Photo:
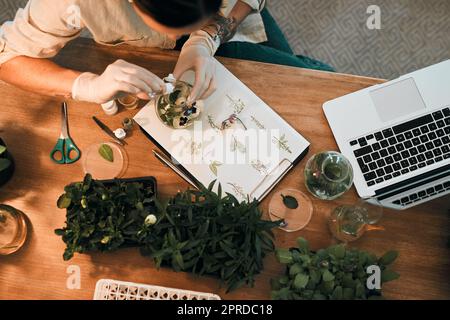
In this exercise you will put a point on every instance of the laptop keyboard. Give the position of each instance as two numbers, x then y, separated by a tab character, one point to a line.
405	148
423	195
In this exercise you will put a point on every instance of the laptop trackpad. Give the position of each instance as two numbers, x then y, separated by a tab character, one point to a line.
397	100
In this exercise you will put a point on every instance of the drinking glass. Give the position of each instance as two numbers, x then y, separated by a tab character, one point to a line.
348	223
328	175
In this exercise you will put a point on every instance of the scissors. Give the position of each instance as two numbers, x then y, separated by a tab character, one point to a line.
65	147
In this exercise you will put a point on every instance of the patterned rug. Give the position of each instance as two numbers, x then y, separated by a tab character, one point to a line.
413	34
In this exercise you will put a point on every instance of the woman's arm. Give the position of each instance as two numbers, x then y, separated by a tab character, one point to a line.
40	76
225	27
38	32
47	78
197	53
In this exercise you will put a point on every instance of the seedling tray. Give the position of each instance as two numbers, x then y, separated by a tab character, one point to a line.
147	181
119	290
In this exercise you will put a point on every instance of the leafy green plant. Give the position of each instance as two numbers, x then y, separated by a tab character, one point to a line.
196	231
205	234
104	218
333	273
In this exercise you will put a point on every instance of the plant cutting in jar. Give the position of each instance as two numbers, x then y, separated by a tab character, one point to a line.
173	110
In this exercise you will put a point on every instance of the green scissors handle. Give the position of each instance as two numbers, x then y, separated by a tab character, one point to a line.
65	151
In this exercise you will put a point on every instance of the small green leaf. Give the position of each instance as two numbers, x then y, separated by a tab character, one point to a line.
284	256
388	258
60	232
338	293
303	244
327	276
348	294
2	150
359	290
337	251
290	202
389	275
301	281
106	152
64	201
178	258
295	269
4	164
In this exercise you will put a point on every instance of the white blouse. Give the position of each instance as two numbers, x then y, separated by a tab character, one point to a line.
44	27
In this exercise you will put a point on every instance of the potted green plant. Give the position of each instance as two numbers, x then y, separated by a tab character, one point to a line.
6	164
335	273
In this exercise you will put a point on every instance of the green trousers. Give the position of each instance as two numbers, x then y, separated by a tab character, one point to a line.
276	50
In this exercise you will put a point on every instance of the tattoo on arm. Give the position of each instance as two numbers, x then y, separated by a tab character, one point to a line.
222	28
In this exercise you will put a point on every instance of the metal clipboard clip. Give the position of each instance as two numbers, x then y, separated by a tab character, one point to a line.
289	165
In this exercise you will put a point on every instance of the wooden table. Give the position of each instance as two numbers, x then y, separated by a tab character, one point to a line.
30	125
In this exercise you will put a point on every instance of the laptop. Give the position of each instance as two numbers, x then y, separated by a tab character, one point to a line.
397	137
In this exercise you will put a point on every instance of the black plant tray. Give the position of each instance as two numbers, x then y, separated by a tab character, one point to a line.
147	181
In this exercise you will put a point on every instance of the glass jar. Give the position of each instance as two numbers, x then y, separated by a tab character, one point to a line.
129	102
328	175
172	109
13	230
348	223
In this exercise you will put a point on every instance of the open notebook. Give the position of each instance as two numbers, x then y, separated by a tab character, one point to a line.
248	159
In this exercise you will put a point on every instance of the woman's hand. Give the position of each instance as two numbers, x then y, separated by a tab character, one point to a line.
119	78
197	58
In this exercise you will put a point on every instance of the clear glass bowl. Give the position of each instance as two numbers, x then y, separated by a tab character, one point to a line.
328	175
173	110
13	230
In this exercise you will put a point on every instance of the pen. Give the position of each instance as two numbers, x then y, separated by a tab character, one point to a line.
170	164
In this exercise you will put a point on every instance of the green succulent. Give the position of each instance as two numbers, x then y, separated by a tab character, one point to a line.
335	273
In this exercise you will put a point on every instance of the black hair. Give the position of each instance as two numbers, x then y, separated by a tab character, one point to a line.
179	13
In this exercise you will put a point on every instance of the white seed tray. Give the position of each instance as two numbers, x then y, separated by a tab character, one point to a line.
118	290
